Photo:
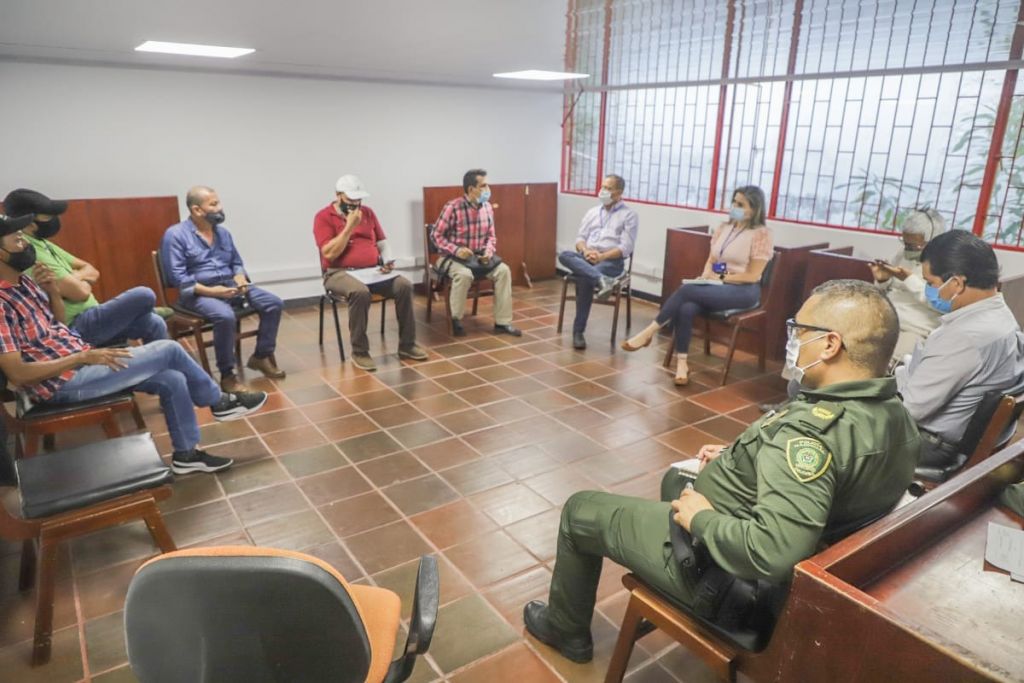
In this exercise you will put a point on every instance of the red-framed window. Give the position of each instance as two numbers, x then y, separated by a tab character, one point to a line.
848	114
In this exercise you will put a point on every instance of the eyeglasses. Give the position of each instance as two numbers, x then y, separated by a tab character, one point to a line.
792	325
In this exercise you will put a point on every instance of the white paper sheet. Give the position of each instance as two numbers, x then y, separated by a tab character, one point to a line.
1004	547
372	275
690	466
699	281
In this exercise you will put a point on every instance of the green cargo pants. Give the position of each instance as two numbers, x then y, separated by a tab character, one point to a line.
630	531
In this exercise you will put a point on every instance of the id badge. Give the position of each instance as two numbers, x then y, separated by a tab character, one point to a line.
719	267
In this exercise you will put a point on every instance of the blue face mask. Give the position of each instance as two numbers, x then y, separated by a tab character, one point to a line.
736	214
931	293
485	196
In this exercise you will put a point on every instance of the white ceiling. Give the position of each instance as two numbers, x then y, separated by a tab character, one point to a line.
427	41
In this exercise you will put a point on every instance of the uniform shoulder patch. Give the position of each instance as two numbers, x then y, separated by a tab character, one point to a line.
821	415
807	458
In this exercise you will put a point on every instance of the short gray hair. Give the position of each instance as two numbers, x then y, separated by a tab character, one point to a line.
927	222
195	195
620	182
864	317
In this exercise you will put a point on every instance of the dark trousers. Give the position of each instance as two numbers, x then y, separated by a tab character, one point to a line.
587	277
222	316
690	300
358	296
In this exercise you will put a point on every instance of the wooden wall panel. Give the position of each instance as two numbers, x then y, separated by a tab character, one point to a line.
524	223
686	251
541	230
834	264
117	236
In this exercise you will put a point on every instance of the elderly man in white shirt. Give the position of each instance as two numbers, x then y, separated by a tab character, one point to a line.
605	240
902	283
977	347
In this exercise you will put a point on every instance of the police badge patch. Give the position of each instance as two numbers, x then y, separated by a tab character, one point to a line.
807	458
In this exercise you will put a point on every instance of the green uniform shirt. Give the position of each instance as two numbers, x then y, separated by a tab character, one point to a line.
833	456
59	261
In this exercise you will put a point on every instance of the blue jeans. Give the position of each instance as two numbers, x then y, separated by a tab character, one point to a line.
129	315
691	300
222	316
162	368
587	277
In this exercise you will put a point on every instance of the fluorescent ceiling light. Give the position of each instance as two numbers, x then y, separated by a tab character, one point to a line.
540	75
193	49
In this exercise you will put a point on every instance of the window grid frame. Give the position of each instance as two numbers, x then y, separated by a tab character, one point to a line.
988	206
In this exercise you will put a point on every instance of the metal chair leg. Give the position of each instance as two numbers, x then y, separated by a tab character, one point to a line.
615	315
337	329
561	307
322	297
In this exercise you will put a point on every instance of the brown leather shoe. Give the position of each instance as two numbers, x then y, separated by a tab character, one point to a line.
230	384
265	365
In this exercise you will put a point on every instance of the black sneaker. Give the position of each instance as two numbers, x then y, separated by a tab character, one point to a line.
196	460
457	329
238	404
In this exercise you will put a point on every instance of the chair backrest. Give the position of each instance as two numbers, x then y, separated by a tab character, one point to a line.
991	426
767	281
243	614
158	270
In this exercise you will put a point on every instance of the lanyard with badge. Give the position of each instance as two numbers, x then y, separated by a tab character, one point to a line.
720	266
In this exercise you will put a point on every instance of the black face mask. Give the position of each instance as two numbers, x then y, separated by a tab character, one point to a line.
22	260
346	209
47	229
214	217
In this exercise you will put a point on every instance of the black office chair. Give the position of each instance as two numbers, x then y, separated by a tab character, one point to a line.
260	614
76	492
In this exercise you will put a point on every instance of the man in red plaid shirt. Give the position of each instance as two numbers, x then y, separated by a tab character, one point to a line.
464	230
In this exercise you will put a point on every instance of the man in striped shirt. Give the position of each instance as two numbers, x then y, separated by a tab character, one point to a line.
464	230
49	363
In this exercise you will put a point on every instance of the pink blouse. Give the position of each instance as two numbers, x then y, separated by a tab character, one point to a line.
739	246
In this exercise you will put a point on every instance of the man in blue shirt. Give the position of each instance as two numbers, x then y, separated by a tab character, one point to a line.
200	259
605	240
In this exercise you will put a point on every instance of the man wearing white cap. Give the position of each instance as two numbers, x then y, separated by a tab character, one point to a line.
350	238
903	284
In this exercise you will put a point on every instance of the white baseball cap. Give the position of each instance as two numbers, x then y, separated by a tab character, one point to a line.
352	186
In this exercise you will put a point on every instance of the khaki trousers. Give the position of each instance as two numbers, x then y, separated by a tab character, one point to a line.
462	279
358	296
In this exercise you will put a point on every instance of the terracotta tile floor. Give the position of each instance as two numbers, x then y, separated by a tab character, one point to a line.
468	456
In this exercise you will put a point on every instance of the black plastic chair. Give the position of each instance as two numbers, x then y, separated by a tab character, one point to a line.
72	493
753	319
260	614
336	299
623	290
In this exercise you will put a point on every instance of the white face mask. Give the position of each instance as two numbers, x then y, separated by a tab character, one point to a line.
605	196
791	370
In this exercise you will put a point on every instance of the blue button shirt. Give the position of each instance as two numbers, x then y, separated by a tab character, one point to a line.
603	229
187	259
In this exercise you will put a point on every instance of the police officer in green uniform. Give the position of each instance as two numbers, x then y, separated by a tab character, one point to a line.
843	452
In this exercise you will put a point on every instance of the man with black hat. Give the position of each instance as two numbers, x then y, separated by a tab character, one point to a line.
128	315
48	362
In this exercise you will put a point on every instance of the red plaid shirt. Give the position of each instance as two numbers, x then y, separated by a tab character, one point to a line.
464	224
27	325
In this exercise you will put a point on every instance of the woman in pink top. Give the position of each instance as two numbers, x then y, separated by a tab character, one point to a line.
740	250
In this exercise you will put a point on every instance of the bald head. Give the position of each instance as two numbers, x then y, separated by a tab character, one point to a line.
862	315
196	195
